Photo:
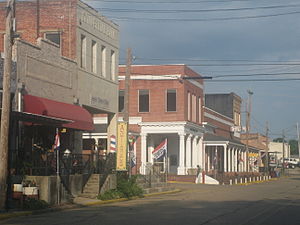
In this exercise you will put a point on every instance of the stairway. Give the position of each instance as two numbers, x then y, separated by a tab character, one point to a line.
152	184
92	187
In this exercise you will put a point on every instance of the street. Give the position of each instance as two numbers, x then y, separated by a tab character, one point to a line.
269	203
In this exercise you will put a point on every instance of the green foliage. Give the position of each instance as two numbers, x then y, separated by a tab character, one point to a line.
111	194
278	140
294	146
126	188
34	204
129	187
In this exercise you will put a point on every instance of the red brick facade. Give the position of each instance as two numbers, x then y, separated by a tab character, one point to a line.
34	20
157	92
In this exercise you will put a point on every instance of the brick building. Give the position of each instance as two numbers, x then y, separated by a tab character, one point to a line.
164	106
83	36
224	150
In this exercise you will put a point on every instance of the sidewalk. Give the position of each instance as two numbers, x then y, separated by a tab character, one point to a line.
78	202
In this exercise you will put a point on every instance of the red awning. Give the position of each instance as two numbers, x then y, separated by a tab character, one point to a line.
43	106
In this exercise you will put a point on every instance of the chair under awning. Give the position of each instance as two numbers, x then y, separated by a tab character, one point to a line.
77	117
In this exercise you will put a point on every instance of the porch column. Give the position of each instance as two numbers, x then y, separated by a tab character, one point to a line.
150	149
181	168
245	161
229	160
188	152
143	153
195	151
225	158
233	159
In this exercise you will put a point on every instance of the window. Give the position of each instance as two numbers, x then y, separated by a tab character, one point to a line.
237	119
103	60
112	64
199	110
143	100
171	100
94	57
194	108
54	37
83	52
189	106
121	100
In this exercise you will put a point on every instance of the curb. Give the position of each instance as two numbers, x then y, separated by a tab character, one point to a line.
180	182
5	216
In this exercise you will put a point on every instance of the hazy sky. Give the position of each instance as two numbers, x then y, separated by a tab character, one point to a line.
219	32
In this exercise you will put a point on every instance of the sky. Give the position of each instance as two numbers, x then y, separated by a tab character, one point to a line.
214	37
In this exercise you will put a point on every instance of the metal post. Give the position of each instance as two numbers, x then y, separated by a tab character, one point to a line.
298	141
248	109
57	173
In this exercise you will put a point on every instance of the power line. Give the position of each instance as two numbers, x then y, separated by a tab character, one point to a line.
195	10
256	80
256	74
169	2
136	19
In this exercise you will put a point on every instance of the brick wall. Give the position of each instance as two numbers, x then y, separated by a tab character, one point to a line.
54	15
157	92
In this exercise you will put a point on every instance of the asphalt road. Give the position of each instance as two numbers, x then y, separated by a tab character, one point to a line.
270	203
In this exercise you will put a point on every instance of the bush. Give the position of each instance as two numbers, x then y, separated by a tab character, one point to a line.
126	188
34	204
111	194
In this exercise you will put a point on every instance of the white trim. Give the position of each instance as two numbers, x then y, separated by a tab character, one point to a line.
218	119
197	84
100	120
218	113
152	77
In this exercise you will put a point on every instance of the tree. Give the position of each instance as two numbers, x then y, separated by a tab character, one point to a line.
278	140
294	147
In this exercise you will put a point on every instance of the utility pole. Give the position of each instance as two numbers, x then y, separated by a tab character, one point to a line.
10	14
248	110
298	140
267	147
126	102
127	81
283	151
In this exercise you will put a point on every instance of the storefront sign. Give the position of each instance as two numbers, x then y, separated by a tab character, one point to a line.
122	147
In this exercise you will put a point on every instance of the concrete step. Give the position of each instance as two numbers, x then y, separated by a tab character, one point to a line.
88	195
158	189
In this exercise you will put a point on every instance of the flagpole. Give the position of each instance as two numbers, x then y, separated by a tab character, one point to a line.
57	171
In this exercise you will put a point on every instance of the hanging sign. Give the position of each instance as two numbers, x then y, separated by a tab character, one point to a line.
122	142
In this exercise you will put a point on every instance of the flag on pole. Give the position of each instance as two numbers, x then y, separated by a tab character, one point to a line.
57	141
160	151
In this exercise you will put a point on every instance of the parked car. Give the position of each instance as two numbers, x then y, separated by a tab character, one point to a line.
291	162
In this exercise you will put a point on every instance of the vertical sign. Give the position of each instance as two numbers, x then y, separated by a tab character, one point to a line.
122	147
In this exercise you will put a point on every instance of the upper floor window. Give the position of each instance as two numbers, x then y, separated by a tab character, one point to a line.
237	119
171	100
83	51
194	108
53	37
103	61
199	110
189	106
113	64
143	100
94	57
121	100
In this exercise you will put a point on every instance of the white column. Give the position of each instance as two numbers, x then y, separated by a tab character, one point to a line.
201	151
233	160
188	152
150	149
181	168
229	160
225	158
245	161
143	153
195	152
